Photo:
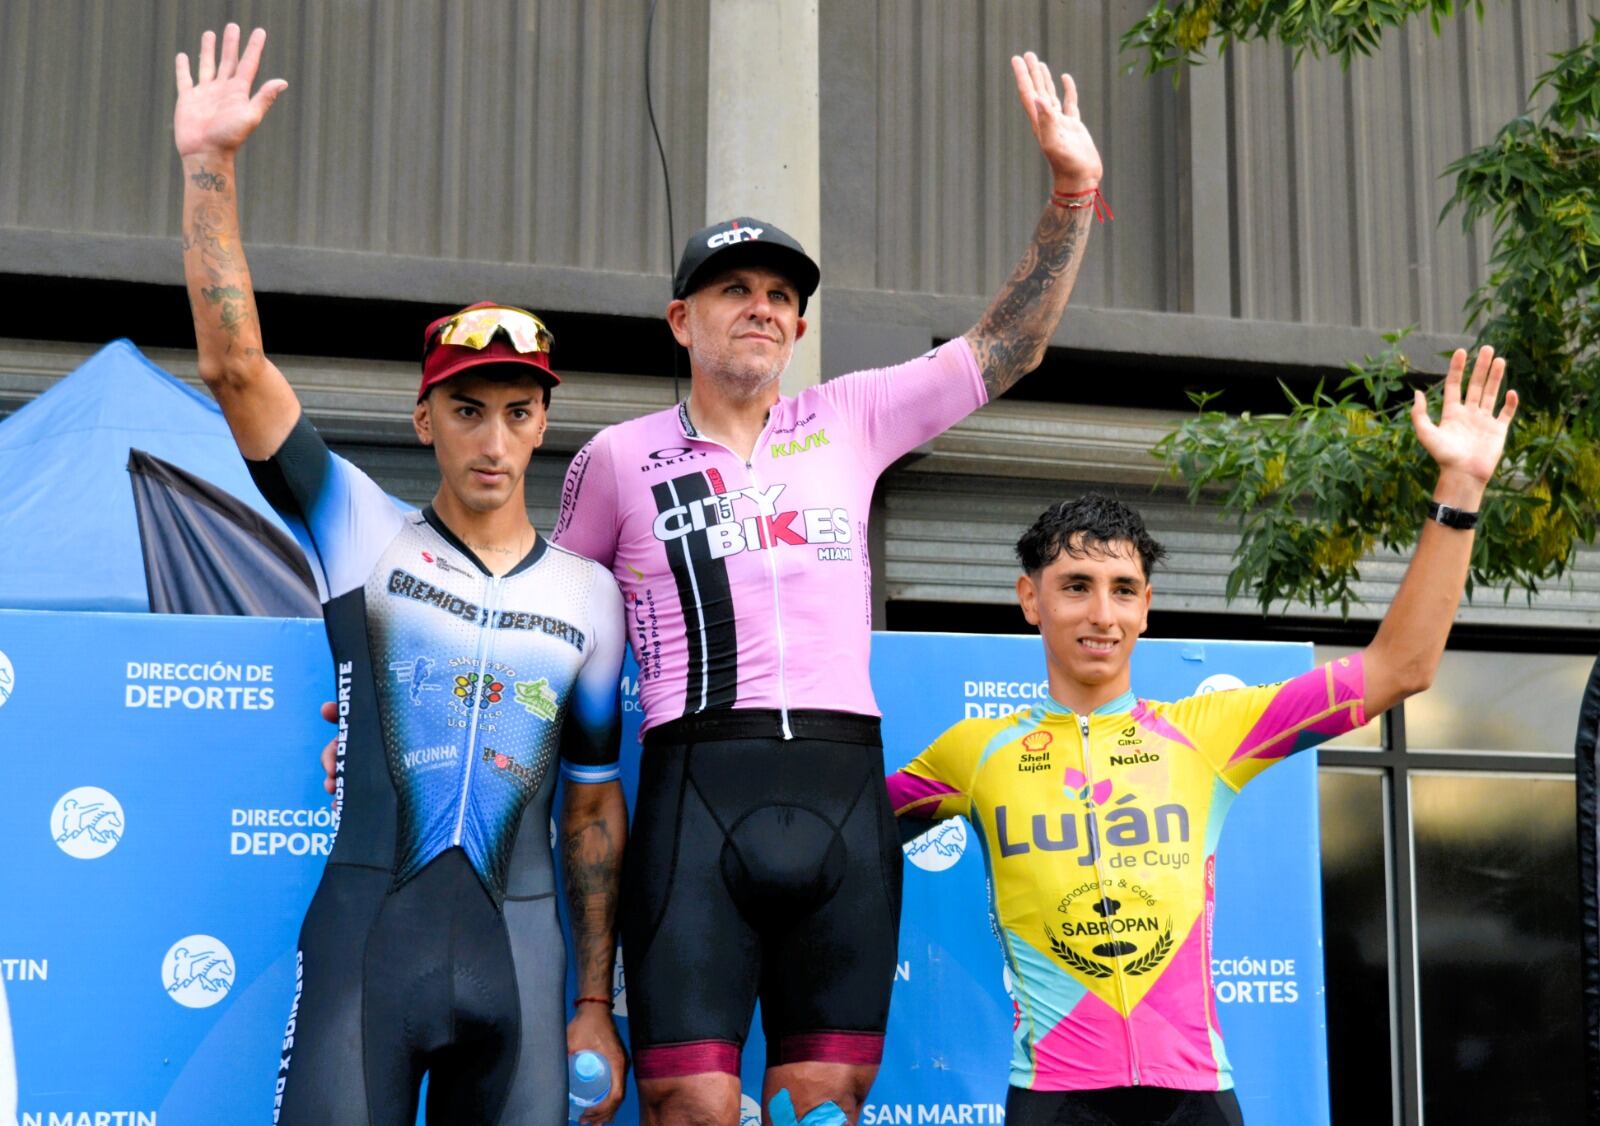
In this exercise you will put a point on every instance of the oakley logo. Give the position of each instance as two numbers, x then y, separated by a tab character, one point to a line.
738	234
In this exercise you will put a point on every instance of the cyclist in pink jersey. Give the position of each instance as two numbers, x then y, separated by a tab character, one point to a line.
764	861
1115	1022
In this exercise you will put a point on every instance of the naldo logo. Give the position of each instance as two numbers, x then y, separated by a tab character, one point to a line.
940	847
1218	682
86	823
749	1111
198	971
619	987
8	678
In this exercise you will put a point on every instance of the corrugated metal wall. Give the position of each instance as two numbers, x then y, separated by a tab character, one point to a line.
514	132
960	182
1338	179
495	130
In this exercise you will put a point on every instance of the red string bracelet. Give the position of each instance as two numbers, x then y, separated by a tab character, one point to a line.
606	1001
1077	201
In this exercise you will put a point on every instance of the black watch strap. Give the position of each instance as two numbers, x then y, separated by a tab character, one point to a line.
1451	517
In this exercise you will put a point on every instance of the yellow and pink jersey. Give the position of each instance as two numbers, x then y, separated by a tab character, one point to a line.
1100	836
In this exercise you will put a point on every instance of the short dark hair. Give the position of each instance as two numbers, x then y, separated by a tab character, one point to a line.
1089	524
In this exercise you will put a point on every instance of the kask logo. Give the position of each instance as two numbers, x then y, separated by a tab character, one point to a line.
8	678
198	971
86	823
940	847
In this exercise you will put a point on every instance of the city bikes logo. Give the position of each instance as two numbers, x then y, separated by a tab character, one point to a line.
415	675
734	235
198	971
940	847
728	531
8	678
87	823
537	697
475	691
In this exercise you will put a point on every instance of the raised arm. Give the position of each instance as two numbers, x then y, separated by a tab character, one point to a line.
214	115
1010	339
1466	443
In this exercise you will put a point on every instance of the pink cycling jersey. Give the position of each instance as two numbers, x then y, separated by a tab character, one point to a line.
747	583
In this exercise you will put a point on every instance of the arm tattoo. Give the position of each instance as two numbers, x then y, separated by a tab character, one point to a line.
1009	340
593	866
209	181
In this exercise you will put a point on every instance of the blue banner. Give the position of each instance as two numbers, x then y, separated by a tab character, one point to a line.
164	826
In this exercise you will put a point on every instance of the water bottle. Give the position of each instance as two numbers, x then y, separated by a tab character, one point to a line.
588	1081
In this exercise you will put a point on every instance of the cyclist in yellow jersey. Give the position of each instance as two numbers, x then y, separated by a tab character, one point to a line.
1116	1021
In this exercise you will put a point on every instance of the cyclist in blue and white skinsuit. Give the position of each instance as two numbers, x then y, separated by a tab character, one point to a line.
470	655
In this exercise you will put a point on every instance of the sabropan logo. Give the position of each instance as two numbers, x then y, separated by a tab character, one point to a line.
940	847
87	823
198	971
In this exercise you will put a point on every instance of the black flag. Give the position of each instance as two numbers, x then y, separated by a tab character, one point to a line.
207	552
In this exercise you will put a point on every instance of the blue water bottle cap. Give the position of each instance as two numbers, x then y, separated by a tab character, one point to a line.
588	1065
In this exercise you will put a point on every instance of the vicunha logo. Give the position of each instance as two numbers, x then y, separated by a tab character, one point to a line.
86	823
940	847
198	971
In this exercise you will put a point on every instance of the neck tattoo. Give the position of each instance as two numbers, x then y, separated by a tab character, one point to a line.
491	549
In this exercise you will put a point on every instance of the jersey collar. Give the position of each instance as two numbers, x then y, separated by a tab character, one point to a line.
1121	705
535	553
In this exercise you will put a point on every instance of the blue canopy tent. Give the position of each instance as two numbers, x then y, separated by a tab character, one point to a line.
124	491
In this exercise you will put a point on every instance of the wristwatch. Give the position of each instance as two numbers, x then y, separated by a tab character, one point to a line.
1452	517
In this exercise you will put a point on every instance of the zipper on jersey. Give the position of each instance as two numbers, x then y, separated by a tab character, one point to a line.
772	564
777	610
1116	961
484	649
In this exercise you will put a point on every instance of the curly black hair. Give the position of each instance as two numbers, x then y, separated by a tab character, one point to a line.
1086	525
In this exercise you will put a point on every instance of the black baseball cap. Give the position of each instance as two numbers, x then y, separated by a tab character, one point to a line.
724	245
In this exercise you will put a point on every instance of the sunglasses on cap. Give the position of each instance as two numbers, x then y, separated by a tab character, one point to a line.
477	326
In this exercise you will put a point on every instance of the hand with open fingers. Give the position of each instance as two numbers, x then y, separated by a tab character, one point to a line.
1470	435
216	112
1062	137
330	712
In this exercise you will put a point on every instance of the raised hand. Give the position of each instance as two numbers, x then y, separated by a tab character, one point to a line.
1066	144
1469	436
217	112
